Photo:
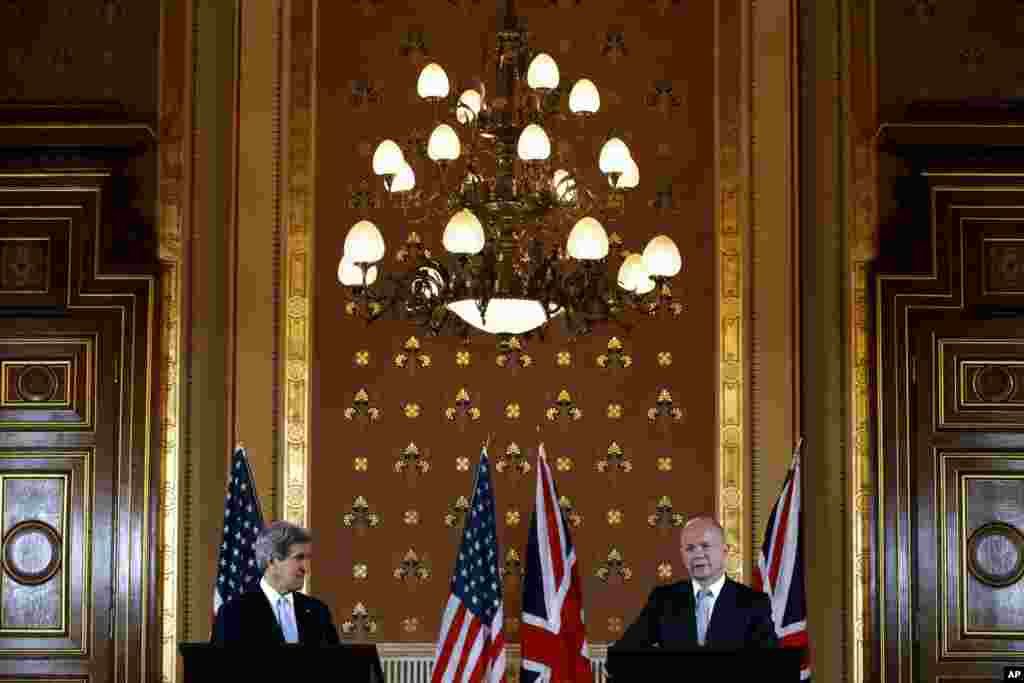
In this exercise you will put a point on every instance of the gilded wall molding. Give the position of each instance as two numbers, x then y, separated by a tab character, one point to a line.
296	274
732	124
862	248
176	67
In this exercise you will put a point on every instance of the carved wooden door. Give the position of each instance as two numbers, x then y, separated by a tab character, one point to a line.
951	464
77	551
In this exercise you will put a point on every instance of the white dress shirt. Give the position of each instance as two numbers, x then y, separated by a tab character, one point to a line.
273	596
715	589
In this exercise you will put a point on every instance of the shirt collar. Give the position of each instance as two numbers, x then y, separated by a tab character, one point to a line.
273	596
715	588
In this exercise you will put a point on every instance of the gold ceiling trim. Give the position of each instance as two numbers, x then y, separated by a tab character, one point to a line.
299	105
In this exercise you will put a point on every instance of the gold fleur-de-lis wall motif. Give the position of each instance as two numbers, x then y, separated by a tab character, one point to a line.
513	460
463	359
463	407
411	352
665	571
361	359
511	353
615	624
662	98
615	356
664	358
361	516
564	407
360	571
664	516
665	407
513	411
572	516
614	567
365	93
563	359
412	568
412	460
615	44
361	624
614	411
513	517
513	565
413	248
414	45
361	407
456	515
614	460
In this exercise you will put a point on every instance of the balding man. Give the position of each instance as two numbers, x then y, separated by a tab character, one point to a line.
706	611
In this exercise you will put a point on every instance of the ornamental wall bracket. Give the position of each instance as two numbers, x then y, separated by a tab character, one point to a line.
513	567
614	568
564	409
662	97
365	93
511	353
463	411
665	411
572	516
664	517
412	570
361	625
412	462
456	515
615	356
514	461
361	411
413	249
360	516
412	356
614	461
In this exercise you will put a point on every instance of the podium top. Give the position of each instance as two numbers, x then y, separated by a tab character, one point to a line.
347	662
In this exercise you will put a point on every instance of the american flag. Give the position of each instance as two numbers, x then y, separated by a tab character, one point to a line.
471	646
236	567
553	636
780	566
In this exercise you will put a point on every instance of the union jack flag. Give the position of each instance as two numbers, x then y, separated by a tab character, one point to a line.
471	646
553	636
780	566
236	567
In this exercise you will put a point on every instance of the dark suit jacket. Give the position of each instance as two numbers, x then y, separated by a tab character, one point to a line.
250	620
742	618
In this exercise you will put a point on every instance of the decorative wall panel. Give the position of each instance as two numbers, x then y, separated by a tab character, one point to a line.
48	382
982	552
33	257
45	538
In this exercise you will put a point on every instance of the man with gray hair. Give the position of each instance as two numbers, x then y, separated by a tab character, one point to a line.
276	612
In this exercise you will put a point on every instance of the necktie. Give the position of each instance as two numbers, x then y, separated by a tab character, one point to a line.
703	614
286	618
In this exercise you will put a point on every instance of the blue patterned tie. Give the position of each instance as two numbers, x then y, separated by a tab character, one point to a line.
286	618
703	614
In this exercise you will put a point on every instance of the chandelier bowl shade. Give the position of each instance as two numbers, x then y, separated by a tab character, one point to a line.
470	103
615	157
543	73
661	257
387	158
534	144
630	178
443	144
405	179
633	276
584	98
433	82
503	315
464	233
364	243
588	240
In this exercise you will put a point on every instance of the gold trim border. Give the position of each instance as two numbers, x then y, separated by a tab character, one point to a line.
731	101
299	125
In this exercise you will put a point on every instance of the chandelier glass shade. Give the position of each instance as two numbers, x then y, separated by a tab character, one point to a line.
524	225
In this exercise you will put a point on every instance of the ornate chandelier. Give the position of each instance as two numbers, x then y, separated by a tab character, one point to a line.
525	234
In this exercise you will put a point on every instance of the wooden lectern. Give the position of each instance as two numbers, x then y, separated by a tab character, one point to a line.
358	663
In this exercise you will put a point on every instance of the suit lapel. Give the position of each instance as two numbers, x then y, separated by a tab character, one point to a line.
268	615
725	604
683	618
303	619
